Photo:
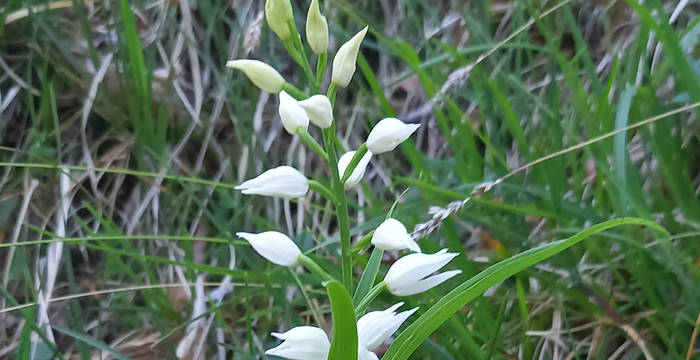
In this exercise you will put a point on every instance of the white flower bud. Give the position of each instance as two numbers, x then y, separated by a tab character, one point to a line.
262	75
410	274
345	59
294	118
375	327
319	110
283	181
302	343
277	13
274	246
392	235
364	354
359	170
388	134
316	29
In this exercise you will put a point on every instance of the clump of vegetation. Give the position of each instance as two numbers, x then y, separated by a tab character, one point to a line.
544	155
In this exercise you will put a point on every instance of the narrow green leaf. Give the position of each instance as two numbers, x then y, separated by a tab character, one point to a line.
407	342
368	276
344	343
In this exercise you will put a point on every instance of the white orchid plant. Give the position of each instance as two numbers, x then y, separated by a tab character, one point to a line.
409	275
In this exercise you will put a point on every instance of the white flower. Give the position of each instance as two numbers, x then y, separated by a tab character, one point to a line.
262	75
345	59
359	170
392	235
388	134
410	274
294	118
277	14
302	343
375	327
274	246
316	29
319	110
283	181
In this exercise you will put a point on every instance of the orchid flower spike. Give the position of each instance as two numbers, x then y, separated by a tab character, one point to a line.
411	274
301	343
392	235
274	246
359	170
375	327
261	74
283	181
319	110
294	118
388	134
345	59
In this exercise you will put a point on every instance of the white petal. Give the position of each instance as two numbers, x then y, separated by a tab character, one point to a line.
359	170
274	246
345	59
408	270
293	116
283	181
426	284
392	235
376	327
301	343
319	110
388	133
364	354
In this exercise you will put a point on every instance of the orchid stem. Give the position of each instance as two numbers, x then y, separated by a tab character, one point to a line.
371	295
314	267
313	144
322	189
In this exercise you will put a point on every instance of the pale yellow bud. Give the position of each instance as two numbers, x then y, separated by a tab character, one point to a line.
316	29
262	75
277	13
345	59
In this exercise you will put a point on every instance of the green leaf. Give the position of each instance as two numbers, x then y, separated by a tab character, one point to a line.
344	343
369	275
409	340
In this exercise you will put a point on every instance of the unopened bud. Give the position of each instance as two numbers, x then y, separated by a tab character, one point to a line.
277	14
262	75
319	109
345	59
294	118
316	29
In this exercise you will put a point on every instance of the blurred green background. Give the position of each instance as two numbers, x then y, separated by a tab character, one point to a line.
134	96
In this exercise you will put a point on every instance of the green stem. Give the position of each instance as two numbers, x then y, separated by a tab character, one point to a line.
341	206
371	295
294	91
362	243
303	61
361	151
314	267
321	68
330	93
313	144
322	189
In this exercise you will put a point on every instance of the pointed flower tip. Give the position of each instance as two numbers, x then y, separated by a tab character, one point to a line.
388	133
283	181
316	29
274	246
346	58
